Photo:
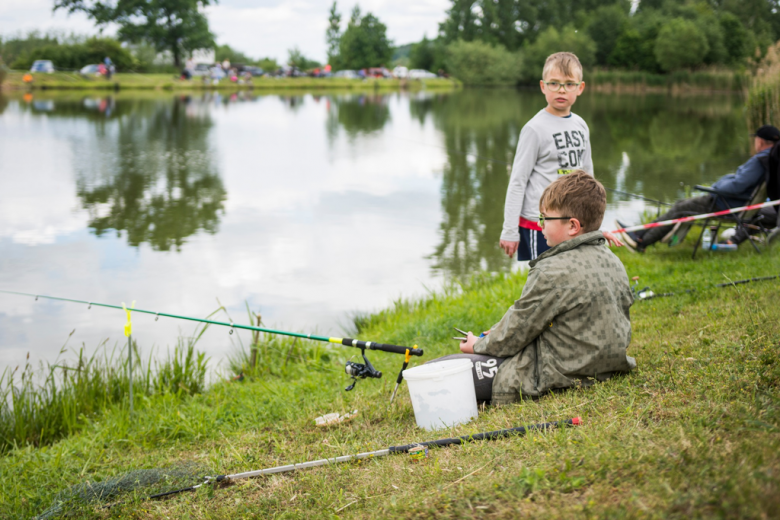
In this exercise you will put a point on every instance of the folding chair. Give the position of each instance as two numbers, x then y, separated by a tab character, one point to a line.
744	219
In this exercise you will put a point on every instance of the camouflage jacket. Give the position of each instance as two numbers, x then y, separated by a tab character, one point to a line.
571	322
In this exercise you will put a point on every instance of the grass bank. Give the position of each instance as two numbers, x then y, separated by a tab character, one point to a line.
693	432
124	81
680	82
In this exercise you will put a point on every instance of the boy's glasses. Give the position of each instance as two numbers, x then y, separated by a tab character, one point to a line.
555	86
542	218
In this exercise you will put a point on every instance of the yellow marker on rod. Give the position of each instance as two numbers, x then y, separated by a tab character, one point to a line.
128	335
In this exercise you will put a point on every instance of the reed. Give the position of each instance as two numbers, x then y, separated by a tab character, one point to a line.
763	100
40	406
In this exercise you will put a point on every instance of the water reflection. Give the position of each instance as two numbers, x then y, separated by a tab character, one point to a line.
646	145
358	114
164	185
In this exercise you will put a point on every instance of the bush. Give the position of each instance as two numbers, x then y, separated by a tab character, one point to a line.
478	63
680	44
552	41
76	55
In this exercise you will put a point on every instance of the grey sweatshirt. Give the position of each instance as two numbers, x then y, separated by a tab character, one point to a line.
549	146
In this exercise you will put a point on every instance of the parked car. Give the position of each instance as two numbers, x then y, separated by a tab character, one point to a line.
254	71
201	69
42	66
347	74
421	74
379	72
88	70
401	72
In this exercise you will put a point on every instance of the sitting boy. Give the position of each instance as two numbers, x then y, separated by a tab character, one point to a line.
572	321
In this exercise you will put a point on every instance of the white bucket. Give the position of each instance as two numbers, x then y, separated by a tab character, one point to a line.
442	393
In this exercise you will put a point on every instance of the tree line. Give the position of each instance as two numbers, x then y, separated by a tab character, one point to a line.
504	41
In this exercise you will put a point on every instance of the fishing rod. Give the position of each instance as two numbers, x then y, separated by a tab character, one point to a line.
648	294
691	218
390	450
355	370
613	190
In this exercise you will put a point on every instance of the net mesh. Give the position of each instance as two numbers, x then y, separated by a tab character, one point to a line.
136	484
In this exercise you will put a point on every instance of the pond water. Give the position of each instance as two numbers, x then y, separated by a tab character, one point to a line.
308	208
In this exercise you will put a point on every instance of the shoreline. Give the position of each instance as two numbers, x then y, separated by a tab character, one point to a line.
131	81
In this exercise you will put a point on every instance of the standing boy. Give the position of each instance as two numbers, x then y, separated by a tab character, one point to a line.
554	142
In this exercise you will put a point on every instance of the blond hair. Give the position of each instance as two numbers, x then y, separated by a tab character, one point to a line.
577	195
565	62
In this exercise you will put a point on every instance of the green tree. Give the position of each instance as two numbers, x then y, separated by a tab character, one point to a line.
479	63
680	44
514	23
428	55
226	52
299	61
607	24
735	37
364	43
552	41
333	35
177	26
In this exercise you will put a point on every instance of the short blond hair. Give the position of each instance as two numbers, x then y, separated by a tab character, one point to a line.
566	62
577	195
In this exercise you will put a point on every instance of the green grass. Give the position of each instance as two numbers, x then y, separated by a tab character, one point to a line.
39	407
682	81
693	432
124	81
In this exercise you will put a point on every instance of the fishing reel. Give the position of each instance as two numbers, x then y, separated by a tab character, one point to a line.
360	371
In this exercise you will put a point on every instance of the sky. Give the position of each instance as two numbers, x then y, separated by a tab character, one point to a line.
259	28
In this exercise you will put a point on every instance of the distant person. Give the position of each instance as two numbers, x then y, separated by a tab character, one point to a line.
739	186
554	142
109	67
226	65
571	324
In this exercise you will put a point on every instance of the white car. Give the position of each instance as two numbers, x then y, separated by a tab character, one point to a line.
348	74
42	66
401	72
421	74
86	70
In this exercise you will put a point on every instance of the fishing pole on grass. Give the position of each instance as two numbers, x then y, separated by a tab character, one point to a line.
390	450
355	370
647	294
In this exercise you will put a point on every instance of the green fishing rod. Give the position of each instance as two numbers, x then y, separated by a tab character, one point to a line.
354	370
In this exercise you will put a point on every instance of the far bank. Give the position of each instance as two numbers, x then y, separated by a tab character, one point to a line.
123	81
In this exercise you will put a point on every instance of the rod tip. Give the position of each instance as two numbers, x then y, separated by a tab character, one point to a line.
577	421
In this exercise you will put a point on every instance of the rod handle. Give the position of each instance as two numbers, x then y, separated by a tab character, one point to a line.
370	345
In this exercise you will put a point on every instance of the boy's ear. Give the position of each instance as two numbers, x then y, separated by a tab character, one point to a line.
541	85
574	227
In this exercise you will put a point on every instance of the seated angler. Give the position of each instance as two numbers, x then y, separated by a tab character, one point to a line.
738	186
571	324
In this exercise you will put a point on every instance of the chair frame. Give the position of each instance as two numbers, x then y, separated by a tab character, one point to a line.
742	219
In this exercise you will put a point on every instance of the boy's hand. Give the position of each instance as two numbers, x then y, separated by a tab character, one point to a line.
467	347
509	247
612	240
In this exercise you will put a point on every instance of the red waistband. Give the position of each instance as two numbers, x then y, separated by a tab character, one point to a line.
529	224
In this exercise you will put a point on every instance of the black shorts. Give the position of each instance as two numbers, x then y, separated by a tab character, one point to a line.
532	244
484	368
